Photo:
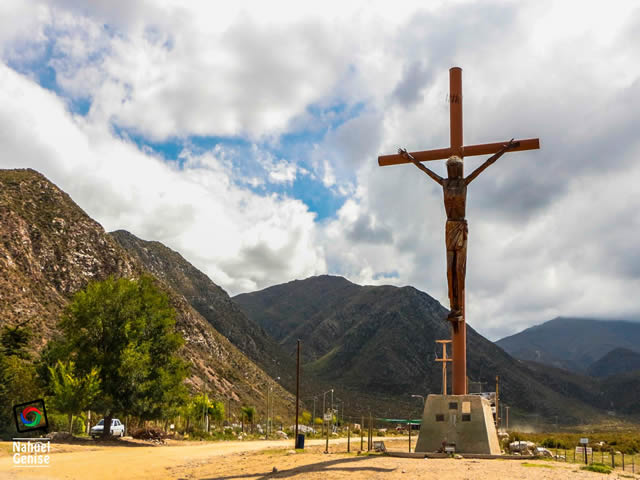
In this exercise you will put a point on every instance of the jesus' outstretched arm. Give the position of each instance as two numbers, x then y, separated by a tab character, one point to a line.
490	160
408	156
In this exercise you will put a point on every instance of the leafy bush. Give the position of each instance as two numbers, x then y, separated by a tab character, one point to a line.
59	422
548	443
556	442
199	435
597	467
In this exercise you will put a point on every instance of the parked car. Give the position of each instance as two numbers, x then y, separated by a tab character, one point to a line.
117	428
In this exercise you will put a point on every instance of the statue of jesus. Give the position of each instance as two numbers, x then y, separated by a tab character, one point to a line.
456	231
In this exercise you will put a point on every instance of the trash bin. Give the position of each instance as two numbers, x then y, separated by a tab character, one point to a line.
300	441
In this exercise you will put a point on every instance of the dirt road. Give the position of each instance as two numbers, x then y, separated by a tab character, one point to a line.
138	461
257	459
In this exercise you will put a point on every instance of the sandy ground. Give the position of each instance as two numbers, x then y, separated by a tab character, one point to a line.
256	459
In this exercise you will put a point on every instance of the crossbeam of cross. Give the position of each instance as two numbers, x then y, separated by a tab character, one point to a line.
455	129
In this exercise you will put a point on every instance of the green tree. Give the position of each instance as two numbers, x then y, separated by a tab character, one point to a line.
305	418
17	373
127	329
72	394
14	341
250	413
203	410
200	406
216	411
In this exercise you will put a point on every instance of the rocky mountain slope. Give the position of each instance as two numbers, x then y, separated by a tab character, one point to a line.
212	302
50	248
572	343
381	340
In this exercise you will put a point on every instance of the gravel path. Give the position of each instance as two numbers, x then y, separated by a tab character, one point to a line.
256	460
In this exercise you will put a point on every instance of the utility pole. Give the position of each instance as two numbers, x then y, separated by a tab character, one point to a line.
326	448
324	408
444	361
370	431
497	401
339	418
332	410
269	412
297	442
266	422
507	409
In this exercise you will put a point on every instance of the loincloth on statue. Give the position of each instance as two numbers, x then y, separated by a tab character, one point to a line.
456	233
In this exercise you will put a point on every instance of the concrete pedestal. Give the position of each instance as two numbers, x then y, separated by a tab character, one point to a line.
463	421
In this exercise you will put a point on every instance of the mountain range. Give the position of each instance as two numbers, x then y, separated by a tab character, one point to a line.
574	344
381	340
373	345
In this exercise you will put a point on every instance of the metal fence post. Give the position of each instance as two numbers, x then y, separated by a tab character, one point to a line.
613	459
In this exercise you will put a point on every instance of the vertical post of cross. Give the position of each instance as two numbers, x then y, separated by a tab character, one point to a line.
455	110
458	329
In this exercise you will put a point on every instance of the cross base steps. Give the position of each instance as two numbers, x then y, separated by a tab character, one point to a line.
463	421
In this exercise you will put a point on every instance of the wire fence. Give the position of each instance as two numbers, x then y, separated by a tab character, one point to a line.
616	460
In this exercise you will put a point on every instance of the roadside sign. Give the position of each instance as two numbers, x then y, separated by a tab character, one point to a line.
580	450
584	441
328	417
379	447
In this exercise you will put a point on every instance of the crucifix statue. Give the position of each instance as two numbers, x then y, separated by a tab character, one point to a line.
455	201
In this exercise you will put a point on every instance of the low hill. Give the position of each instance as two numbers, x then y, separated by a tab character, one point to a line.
623	392
616	362
572	343
50	249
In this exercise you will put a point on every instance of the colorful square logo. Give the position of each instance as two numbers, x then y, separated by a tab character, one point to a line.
30	416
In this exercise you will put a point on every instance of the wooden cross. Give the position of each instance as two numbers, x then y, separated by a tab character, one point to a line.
444	361
455	199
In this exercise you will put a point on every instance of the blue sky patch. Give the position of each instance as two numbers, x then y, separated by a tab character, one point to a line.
294	147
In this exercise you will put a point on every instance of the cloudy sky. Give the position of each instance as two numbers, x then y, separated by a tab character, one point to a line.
247	139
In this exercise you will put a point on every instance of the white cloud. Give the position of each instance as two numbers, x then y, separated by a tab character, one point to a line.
197	210
551	232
